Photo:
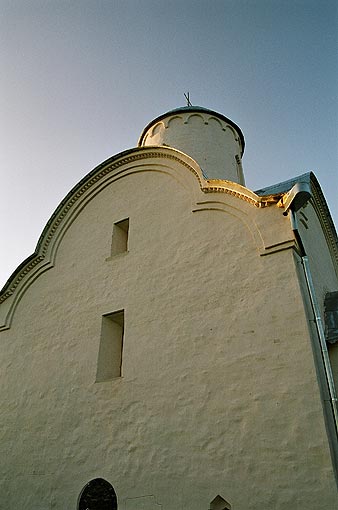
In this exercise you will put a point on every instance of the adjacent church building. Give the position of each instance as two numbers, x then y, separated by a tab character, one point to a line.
172	344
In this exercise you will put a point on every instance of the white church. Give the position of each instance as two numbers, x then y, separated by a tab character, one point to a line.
172	343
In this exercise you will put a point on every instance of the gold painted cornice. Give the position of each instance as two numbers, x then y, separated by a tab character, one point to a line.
117	167
239	191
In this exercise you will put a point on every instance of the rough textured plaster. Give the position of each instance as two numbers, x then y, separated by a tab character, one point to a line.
219	393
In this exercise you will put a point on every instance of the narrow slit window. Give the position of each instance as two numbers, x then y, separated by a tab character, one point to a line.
109	364
240	174
120	237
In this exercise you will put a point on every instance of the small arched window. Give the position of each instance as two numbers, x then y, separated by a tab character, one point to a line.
98	494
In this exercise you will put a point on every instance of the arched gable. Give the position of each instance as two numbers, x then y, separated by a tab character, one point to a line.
158	159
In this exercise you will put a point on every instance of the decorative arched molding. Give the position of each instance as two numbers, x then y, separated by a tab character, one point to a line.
217	121
320	206
233	131
239	191
192	115
185	111
172	119
237	212
141	159
157	128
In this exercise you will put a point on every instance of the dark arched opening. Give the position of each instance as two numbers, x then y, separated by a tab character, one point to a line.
98	494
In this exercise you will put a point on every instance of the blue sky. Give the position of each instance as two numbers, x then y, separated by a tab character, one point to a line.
81	78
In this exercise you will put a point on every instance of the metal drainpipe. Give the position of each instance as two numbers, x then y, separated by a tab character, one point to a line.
318	321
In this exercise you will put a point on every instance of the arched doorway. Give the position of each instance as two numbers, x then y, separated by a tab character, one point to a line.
98	494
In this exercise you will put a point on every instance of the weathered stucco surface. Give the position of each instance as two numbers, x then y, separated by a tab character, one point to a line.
219	393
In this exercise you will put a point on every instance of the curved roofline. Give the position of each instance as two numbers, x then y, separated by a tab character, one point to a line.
201	109
75	194
112	168
54	215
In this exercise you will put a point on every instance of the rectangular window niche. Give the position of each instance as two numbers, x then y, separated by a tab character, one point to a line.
109	365
120	237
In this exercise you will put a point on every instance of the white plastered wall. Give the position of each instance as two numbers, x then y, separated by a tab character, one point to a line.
212	142
219	394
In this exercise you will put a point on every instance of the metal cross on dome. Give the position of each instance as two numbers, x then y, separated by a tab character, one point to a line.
187	97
